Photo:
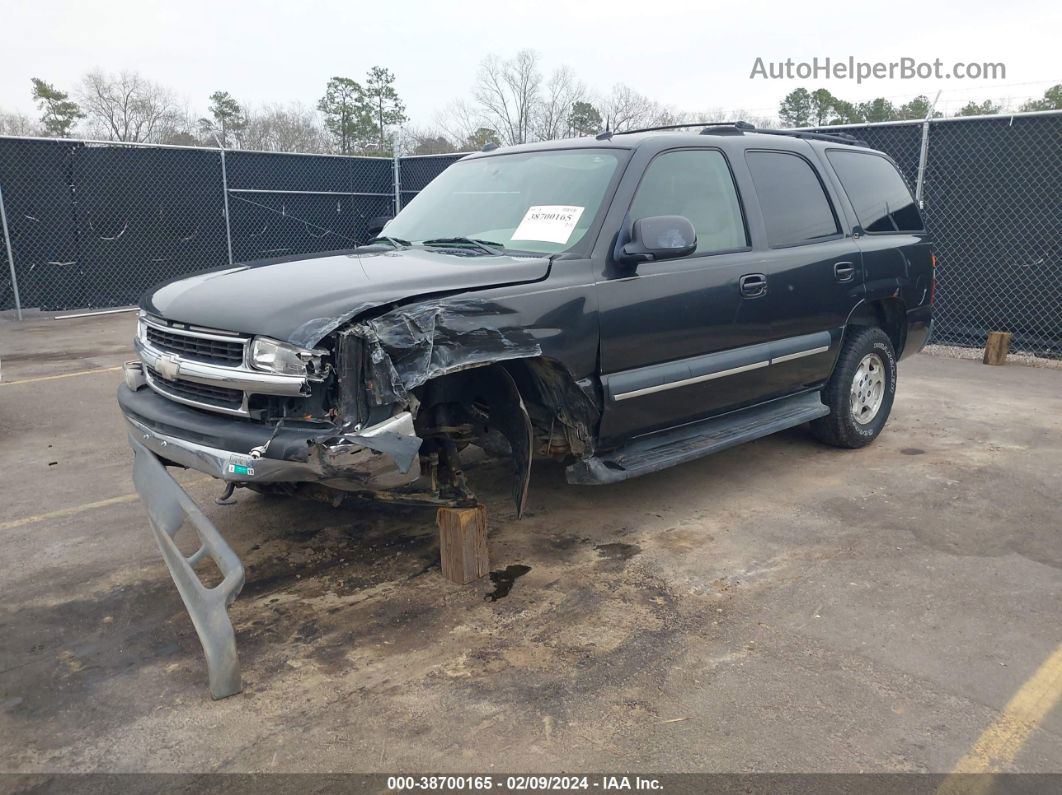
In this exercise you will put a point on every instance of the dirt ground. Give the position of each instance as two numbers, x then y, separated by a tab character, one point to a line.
781	606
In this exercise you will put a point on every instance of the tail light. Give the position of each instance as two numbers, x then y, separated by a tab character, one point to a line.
933	284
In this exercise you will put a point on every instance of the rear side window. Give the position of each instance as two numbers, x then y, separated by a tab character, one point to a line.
794	203
695	183
878	193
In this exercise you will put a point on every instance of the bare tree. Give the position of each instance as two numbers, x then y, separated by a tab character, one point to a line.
626	109
725	115
423	141
278	128
459	121
17	124
561	92
129	107
508	93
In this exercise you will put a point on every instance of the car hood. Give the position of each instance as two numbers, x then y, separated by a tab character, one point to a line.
301	300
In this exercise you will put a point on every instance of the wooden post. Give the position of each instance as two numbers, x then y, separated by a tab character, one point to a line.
996	347
463	543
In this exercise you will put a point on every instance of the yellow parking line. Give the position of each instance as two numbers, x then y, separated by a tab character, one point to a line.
63	512
1000	743
61	375
88	506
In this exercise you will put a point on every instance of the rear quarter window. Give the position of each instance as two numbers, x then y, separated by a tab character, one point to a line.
792	199
880	197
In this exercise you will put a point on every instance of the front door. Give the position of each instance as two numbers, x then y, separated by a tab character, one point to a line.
678	337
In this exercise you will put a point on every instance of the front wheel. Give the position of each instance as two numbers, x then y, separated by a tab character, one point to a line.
860	391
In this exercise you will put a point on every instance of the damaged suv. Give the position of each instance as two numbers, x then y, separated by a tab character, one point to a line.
619	304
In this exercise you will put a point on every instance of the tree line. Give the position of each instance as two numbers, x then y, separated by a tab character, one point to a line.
820	108
512	100
350	118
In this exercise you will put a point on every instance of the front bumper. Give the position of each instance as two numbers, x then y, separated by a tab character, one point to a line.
169	507
383	456
234	449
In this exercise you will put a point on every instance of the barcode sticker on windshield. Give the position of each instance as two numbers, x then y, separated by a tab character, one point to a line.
549	223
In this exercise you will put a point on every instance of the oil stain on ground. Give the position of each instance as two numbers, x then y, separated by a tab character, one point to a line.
504	580
617	551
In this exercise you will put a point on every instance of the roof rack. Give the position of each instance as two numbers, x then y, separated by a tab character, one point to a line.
741	127
837	137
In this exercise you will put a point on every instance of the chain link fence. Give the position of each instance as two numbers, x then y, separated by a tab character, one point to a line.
287	204
93	225
416	171
991	189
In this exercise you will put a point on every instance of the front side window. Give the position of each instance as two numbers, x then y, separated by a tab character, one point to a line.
878	193
794	203
542	202
695	184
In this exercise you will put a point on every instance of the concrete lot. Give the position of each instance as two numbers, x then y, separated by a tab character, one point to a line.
777	607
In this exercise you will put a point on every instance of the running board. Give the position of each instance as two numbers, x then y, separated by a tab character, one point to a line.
679	445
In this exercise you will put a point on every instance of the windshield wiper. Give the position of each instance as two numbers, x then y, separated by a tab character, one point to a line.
486	246
396	242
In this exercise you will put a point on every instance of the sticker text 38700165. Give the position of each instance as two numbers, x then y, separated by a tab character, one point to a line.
549	223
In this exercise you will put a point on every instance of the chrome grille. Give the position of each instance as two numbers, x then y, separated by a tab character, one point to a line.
204	394
201	349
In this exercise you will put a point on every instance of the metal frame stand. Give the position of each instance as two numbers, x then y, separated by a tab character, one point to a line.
10	255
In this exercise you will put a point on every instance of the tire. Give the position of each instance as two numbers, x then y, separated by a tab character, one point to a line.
860	392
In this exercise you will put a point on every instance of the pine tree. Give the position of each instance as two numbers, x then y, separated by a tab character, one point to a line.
60	112
345	112
584	119
227	118
383	103
795	110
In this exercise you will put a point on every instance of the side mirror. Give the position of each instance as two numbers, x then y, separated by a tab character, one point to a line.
377	224
659	237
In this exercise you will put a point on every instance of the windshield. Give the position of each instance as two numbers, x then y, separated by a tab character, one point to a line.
543	202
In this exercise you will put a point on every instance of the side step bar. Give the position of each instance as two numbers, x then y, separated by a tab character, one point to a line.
679	445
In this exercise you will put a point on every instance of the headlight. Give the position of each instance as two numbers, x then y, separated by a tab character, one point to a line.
280	357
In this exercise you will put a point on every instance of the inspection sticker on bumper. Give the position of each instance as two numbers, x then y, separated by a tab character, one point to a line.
549	223
240	465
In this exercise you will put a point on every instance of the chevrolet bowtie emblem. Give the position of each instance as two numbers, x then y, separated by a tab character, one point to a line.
168	367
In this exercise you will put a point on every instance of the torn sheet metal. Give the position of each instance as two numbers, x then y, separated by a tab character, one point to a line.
412	345
401	447
508	415
567	410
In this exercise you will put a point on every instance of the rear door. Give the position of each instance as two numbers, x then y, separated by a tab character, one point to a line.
813	266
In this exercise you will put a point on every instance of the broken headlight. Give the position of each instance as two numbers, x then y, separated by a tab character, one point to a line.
281	357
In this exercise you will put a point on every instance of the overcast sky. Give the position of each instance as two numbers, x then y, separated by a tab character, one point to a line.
695	55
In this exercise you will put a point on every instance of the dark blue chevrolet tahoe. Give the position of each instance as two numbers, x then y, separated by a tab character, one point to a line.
620	304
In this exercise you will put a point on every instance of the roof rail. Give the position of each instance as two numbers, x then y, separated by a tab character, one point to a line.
837	138
740	125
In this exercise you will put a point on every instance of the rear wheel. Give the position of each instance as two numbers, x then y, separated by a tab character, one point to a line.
860	391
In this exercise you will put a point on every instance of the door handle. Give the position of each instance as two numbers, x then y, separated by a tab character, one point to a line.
752	285
844	271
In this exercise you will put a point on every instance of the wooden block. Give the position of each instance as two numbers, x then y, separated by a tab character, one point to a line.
463	543
996	347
